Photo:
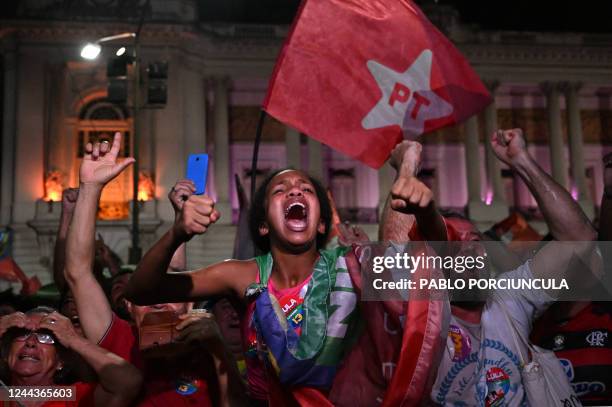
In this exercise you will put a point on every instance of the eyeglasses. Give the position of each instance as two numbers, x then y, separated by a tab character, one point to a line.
41	337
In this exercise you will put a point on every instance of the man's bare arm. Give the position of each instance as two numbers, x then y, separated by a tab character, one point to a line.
410	200
118	381
566	221
69	197
99	166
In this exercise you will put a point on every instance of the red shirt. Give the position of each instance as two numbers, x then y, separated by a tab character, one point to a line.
161	388
583	344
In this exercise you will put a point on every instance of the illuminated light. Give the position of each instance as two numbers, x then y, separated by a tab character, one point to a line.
146	188
54	186
90	51
113	210
574	192
489	197
54	196
120	51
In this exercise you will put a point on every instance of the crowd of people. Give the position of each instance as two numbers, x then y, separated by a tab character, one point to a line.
287	327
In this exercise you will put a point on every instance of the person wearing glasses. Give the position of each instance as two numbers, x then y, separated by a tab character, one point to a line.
36	350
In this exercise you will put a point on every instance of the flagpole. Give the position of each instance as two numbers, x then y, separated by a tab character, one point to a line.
262	116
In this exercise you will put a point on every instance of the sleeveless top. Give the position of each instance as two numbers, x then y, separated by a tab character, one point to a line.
303	332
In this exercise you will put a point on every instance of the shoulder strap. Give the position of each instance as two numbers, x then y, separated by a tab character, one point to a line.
264	264
516	333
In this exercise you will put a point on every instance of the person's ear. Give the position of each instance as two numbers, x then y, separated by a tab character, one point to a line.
264	229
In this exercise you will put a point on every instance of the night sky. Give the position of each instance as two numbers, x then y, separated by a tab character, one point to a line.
594	16
534	15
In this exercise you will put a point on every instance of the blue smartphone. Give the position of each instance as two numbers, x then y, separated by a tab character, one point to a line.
197	171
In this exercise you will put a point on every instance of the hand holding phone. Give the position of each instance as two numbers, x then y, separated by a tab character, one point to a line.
197	171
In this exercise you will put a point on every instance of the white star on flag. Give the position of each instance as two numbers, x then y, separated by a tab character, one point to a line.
407	99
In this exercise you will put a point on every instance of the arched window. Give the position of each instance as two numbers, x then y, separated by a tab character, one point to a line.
99	120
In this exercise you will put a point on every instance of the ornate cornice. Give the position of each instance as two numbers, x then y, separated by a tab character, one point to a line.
259	44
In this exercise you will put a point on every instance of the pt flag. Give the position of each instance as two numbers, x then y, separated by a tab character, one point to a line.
359	75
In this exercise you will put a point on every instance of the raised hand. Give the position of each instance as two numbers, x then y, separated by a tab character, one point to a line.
69	198
509	145
406	157
351	234
61	327
100	164
410	195
196	215
14	320
198	328
180	192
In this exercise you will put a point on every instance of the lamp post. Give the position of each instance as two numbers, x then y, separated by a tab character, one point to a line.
135	252
91	51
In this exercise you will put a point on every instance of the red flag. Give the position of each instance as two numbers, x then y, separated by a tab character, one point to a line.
10	271
359	75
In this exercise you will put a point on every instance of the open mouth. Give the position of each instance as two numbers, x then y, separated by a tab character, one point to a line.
296	216
28	357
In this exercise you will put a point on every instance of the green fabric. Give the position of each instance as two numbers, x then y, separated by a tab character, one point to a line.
314	339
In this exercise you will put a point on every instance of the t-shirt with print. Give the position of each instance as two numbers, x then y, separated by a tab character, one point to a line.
480	365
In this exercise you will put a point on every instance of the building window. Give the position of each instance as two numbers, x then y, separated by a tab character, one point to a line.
98	121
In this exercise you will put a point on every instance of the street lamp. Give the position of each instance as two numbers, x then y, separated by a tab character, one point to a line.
91	51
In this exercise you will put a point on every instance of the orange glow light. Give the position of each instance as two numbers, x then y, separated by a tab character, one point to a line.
54	186
146	189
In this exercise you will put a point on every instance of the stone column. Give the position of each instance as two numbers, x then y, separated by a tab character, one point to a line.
29	140
386	177
221	137
494	178
292	148
472	161
497	207
315	159
576	147
557	148
9	129
194	111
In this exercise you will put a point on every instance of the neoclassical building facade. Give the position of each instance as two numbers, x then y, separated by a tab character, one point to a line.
556	86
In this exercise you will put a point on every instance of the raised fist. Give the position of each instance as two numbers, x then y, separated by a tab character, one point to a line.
196	215
410	195
69	198
180	192
508	145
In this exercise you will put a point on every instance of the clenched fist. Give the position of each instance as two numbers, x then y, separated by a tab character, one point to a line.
410	195
180	192
509	145
196	215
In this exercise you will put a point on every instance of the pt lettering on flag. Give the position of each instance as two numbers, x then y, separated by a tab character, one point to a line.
360	76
